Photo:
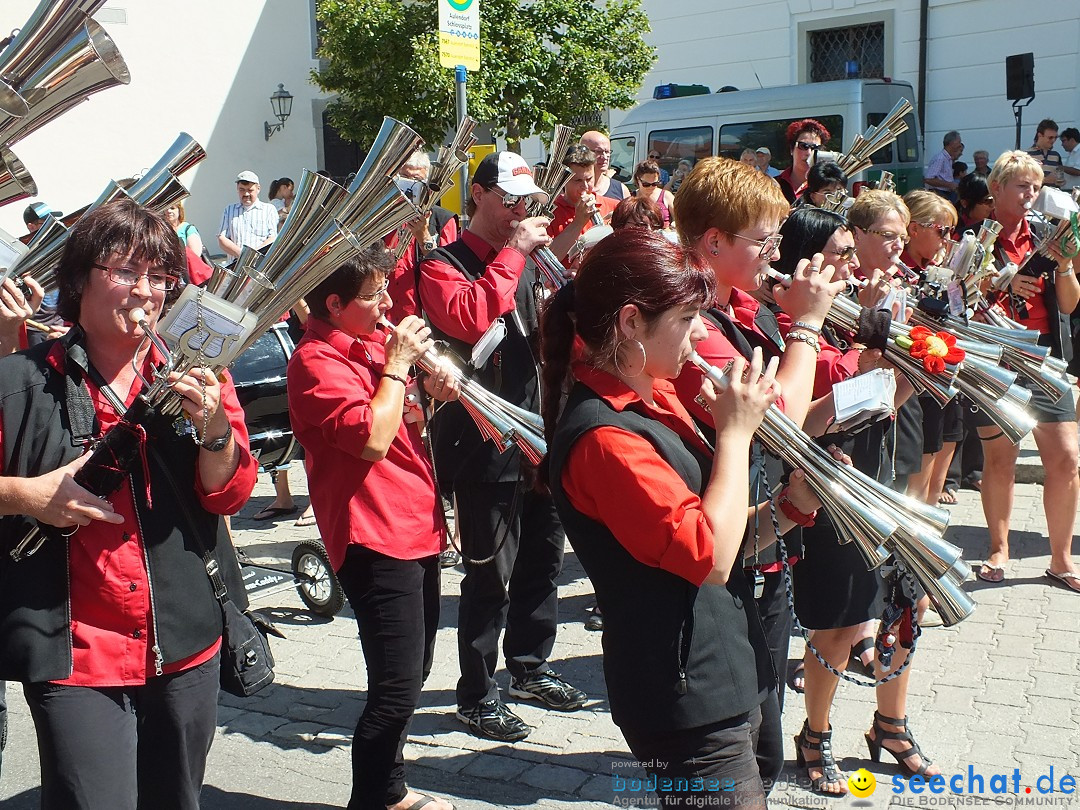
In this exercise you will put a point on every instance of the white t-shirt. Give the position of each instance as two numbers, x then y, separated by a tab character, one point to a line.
1072	160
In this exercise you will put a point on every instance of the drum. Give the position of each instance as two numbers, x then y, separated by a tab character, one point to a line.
259	376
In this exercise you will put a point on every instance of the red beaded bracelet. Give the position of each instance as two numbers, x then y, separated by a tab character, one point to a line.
792	513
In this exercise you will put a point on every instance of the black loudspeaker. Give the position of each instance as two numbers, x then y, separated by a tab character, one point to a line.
1020	76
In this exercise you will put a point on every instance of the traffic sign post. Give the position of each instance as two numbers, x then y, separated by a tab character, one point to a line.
459	49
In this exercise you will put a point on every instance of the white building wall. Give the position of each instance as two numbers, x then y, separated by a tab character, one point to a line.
205	67
751	44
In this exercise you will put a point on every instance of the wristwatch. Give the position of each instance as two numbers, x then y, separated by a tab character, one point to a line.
217	445
430	243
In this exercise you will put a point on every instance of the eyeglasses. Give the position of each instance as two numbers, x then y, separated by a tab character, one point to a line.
509	200
127	277
599	152
375	296
654	156
890	236
986	201
844	254
806	147
768	245
643	184
941	230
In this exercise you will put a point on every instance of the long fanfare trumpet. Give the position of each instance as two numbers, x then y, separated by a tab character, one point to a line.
441	178
857	158
878	520
552	180
325	227
498	420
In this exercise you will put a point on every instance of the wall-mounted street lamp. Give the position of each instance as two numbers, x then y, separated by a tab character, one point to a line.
281	104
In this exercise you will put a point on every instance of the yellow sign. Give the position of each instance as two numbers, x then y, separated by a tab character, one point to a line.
451	200
459	33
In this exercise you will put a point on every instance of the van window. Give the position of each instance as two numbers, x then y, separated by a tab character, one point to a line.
908	145
736	137
678	145
622	157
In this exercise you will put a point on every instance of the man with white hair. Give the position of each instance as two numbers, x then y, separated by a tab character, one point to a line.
604	185
249	222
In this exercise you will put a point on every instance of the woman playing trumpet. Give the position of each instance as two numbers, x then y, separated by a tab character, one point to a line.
354	407
685	659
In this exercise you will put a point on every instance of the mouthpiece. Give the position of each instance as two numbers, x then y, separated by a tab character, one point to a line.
137	315
1027	205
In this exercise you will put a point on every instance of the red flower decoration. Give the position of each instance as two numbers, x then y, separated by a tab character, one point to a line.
935	349
935	365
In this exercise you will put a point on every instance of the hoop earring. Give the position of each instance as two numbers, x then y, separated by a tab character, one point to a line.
643	357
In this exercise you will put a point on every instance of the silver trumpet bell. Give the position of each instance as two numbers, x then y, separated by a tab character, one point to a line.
392	147
42	255
87	63
15	181
156	189
52	24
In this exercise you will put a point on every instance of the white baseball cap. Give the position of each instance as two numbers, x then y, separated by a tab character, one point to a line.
247	177
510	172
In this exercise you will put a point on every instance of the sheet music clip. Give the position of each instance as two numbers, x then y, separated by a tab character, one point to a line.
488	342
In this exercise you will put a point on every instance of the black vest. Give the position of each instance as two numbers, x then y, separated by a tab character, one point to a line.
676	656
44	413
461	452
764	466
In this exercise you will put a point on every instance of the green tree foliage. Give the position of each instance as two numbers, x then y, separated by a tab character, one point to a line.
542	62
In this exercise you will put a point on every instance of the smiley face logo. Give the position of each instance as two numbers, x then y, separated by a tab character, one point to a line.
862	783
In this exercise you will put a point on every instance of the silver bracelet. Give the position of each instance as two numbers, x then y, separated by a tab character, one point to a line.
807	338
814	330
1068	272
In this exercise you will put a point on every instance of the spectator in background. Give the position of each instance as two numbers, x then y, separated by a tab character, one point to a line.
35	213
189	235
665	175
282	192
982	163
748	158
604	184
1070	164
803	138
763	155
974	203
249	222
650	187
681	171
959	169
1045	155
938	176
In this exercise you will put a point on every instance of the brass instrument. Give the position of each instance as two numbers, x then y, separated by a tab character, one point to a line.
878	520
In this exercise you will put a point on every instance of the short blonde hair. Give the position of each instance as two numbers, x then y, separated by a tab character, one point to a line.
727	195
926	206
1013	163
871	205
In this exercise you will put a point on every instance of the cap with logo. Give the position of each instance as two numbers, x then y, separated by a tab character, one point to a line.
247	177
38	210
510	172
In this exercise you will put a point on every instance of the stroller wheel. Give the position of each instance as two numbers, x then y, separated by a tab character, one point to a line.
316	582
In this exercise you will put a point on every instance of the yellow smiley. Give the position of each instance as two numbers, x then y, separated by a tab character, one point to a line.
861	783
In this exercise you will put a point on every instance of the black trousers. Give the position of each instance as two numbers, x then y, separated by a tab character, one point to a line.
775	617
396	603
720	755
517	590
3	722
124	748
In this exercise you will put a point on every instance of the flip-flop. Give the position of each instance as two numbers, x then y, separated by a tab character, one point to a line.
947	496
424	801
305	520
1066	578
275	512
991	573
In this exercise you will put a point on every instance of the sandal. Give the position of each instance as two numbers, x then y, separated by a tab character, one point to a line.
948	496
856	663
876	743
797	679
820	741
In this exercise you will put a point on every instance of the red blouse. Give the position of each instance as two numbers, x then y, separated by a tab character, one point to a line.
389	506
1038	317
618	479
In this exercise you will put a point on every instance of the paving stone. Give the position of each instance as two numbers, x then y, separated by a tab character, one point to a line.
492	766
555	777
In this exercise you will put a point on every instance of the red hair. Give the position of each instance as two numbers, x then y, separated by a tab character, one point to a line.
797	128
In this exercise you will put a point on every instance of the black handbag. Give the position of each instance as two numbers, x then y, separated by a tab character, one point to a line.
247	664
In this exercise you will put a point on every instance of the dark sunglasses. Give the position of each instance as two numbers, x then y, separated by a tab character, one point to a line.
508	200
806	147
643	184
